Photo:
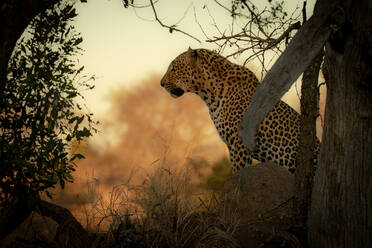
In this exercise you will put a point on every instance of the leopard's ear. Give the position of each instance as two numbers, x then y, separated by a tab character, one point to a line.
192	54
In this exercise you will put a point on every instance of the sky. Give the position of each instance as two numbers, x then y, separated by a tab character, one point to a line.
123	46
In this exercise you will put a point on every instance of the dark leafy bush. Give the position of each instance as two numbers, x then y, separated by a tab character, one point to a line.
41	105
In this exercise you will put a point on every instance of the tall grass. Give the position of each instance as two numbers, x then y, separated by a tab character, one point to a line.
164	211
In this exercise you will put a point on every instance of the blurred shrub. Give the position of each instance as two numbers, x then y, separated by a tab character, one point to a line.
214	178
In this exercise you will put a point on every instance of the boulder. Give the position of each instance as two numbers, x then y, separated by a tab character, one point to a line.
261	198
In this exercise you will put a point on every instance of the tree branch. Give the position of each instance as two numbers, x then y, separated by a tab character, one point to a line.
257	37
285	35
298	55
308	140
171	28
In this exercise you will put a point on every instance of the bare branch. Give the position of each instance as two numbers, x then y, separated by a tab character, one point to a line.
140	17
304	18
184	14
256	18
223	6
263	30
139	6
200	26
262	44
286	33
171	28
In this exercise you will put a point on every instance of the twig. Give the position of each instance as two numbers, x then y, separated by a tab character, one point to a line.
200	26
256	17
304	18
171	28
286	33
223	6
142	6
184	14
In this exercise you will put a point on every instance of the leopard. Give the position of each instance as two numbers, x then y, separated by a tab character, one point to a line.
227	89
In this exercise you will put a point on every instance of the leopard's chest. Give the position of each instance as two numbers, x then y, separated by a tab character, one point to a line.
227	111
226	120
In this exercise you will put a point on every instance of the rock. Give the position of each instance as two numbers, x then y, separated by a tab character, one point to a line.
36	229
260	197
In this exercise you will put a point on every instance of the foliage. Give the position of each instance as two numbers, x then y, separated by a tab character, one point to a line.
274	9
220	172
40	109
213	180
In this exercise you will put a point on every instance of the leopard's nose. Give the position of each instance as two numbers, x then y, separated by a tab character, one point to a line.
162	82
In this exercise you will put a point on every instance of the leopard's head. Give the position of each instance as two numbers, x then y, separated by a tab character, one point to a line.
182	74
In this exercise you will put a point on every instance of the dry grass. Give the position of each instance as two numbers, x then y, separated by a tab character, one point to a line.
162	212
165	211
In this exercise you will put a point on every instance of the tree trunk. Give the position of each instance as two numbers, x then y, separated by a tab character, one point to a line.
70	233
308	140
341	209
15	211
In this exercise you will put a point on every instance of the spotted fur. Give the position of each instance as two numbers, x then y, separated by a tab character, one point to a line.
227	89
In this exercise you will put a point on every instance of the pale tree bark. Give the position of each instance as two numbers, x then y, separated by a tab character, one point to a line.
341	209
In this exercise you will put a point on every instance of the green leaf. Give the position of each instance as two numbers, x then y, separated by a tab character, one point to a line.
69	177
78	41
80	120
53	179
77	156
72	94
62	183
48	194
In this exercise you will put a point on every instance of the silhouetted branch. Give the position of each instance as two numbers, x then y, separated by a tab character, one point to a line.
264	30
171	28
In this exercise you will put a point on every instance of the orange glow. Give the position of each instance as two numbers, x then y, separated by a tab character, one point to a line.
151	130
